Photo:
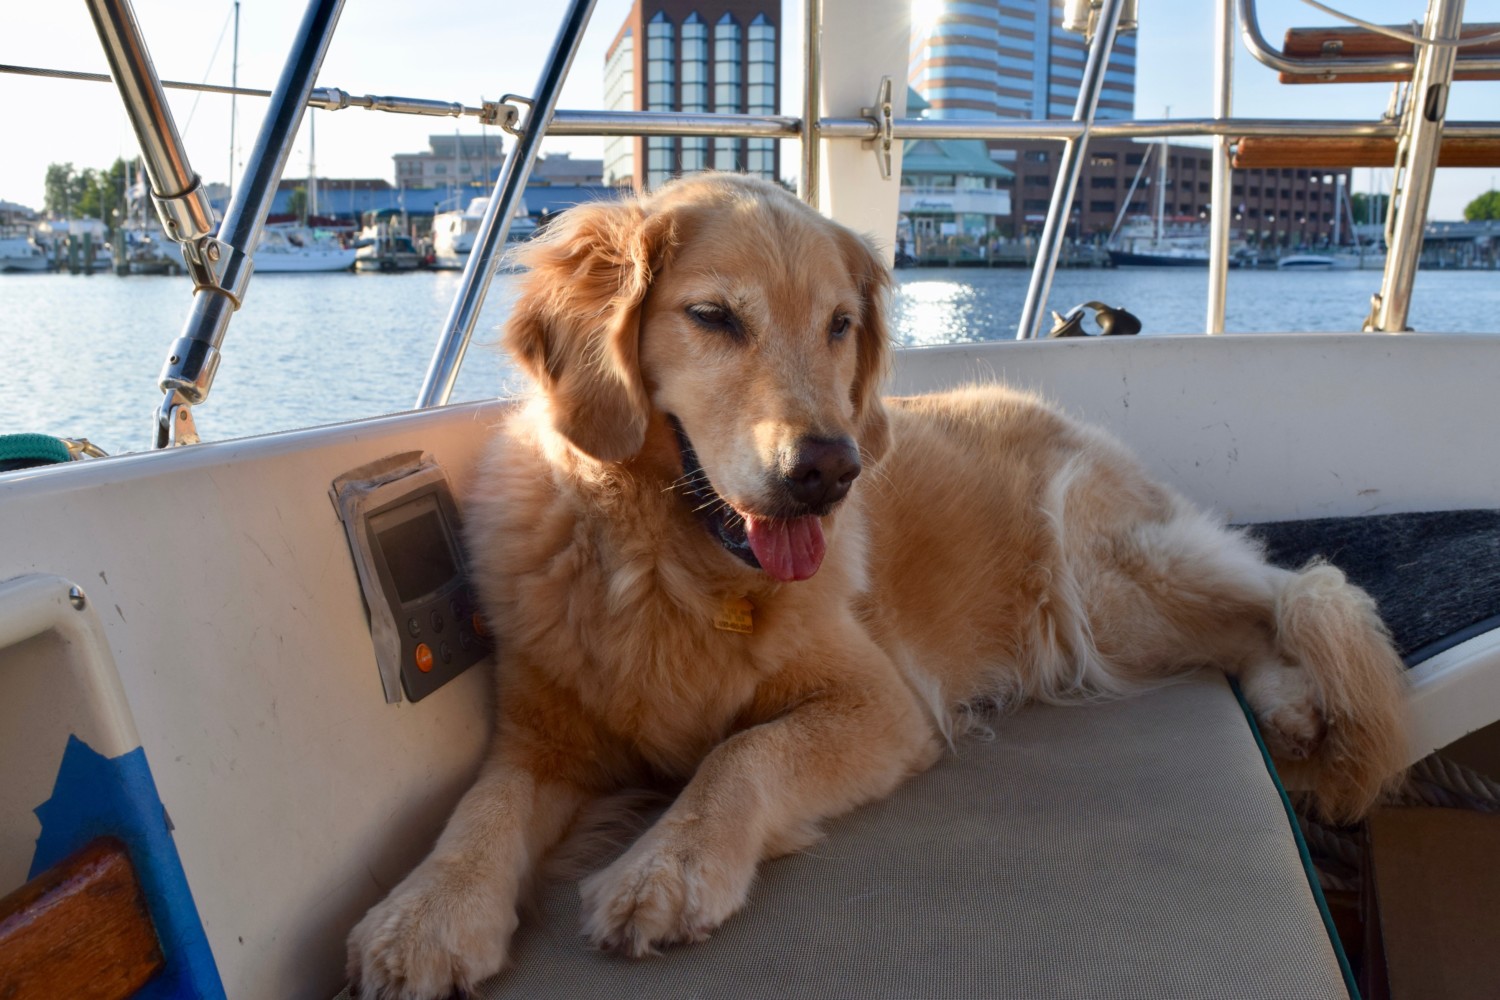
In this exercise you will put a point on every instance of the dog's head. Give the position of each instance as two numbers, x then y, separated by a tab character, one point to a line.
755	326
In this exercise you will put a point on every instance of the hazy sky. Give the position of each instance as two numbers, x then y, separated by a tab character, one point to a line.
464	50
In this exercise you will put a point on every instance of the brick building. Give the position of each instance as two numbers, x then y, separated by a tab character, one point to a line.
1272	207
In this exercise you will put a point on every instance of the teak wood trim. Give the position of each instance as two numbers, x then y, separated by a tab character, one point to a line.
1252	152
1360	43
80	930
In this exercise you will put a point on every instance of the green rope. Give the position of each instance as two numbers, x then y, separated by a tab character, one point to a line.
22	450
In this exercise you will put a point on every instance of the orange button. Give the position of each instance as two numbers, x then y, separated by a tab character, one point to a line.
424	657
479	628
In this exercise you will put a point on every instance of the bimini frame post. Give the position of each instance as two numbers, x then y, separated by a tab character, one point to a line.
1221	208
489	240
1416	159
188	374
1074	149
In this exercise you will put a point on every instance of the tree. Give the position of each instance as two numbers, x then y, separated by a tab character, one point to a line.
89	193
58	202
1368	208
296	204
1486	206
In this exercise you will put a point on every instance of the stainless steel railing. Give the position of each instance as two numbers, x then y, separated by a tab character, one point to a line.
489	240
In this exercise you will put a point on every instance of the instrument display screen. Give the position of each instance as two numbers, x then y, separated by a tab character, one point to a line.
416	548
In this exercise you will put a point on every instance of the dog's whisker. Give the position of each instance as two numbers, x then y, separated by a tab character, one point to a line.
688	480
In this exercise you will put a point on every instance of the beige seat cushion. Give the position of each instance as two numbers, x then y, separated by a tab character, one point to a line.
1127	849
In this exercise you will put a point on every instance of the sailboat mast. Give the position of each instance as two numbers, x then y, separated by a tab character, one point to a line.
1338	210
234	82
312	164
1161	188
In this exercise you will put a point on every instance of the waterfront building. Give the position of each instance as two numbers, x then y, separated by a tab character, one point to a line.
1009	58
1272	207
561	170
953	194
15	214
452	161
719	56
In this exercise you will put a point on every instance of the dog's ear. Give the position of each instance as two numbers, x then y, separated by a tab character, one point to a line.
872	426
576	326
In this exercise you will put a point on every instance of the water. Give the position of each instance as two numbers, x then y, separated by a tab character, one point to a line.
79	357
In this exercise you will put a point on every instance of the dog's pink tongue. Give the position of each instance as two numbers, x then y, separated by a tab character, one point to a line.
787	549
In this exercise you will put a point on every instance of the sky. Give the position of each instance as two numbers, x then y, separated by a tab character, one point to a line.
465	50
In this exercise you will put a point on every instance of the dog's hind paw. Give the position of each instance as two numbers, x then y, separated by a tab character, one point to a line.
655	896
427	941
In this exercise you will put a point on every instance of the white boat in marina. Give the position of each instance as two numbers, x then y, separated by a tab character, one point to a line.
383	244
143	248
21	254
299	250
453	232
1358	259
1305	262
196	649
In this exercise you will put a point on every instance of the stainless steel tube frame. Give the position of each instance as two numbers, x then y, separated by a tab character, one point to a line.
176	190
1274	58
1416	159
1220	208
188	374
1100	47
489	241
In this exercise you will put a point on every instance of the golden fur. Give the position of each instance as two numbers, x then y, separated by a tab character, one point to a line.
991	548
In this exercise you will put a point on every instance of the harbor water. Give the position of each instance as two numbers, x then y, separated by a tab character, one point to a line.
80	356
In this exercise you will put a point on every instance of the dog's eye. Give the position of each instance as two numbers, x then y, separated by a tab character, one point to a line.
712	317
839	326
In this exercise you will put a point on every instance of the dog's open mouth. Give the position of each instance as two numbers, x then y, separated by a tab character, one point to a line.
786	548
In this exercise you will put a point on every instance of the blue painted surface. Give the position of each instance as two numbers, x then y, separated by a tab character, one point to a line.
97	796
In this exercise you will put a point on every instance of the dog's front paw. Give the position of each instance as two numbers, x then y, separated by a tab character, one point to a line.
432	937
661	893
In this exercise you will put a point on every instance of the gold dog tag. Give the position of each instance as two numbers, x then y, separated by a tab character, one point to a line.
736	614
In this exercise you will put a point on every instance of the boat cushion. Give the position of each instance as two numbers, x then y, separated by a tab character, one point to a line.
1136	848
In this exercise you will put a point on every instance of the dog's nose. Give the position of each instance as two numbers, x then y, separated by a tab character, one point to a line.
823	470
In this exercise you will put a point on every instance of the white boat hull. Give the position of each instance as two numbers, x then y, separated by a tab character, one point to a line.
299	797
1305	262
28	264
304	262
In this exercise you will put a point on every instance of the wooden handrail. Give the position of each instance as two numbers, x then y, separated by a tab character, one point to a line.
80	929
1254	152
1361	43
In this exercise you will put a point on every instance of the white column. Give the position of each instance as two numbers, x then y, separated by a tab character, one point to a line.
861	42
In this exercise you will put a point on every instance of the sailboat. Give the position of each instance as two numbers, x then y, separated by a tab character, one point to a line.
1360	256
295	249
1146	242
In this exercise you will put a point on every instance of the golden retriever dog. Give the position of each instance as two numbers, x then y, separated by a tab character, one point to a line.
716	560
